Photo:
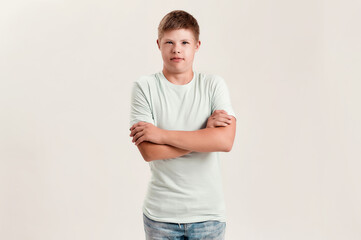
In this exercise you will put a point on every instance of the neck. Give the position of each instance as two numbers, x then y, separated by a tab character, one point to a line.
181	78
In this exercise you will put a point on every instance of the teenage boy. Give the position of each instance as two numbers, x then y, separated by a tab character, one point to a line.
180	119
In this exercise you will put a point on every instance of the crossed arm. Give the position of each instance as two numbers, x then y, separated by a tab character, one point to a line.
152	151
155	143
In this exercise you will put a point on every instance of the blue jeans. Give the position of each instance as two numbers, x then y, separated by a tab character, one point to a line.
210	230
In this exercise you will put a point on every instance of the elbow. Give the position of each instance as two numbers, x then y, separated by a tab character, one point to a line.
147	151
228	149
226	136
148	158
143	151
228	146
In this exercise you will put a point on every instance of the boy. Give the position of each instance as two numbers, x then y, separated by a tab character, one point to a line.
180	119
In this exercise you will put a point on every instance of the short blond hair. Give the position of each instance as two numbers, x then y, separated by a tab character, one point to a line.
178	19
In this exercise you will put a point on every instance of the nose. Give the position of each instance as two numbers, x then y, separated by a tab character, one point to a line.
176	48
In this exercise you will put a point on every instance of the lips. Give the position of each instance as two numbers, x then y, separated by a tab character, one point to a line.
176	59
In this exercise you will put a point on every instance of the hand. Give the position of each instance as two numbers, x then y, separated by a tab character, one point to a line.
219	118
144	131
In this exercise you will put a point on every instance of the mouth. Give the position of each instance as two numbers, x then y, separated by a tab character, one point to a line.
176	59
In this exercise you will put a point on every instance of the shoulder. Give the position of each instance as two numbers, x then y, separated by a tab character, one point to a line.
212	79
209	76
145	79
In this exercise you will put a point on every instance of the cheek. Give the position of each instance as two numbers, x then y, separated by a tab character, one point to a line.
190	55
167	51
164	54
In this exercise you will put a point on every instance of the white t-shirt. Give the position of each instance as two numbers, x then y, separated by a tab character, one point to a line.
188	188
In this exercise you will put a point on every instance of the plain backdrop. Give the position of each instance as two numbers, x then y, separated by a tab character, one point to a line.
68	168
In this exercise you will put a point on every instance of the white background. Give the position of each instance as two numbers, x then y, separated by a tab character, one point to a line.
68	168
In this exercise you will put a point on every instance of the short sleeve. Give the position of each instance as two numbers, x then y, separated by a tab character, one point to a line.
140	110
221	98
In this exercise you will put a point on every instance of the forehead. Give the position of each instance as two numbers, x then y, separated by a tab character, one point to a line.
179	34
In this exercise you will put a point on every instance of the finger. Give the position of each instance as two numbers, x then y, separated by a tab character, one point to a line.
217	111
225	115
221	111
216	125
136	129
131	133
137	135
141	139
220	124
228	119
223	119
217	114
136	125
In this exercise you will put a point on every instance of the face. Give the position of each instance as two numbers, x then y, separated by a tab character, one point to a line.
178	48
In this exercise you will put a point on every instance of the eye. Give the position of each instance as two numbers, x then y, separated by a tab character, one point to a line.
185	42
168	42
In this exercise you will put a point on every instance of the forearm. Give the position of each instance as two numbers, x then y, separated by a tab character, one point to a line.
155	143
203	140
151	151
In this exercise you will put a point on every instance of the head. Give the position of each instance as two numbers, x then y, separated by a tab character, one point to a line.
178	41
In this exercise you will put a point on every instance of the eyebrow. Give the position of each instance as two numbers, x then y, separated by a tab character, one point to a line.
181	40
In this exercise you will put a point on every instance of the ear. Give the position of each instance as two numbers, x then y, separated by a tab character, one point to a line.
158	44
198	45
